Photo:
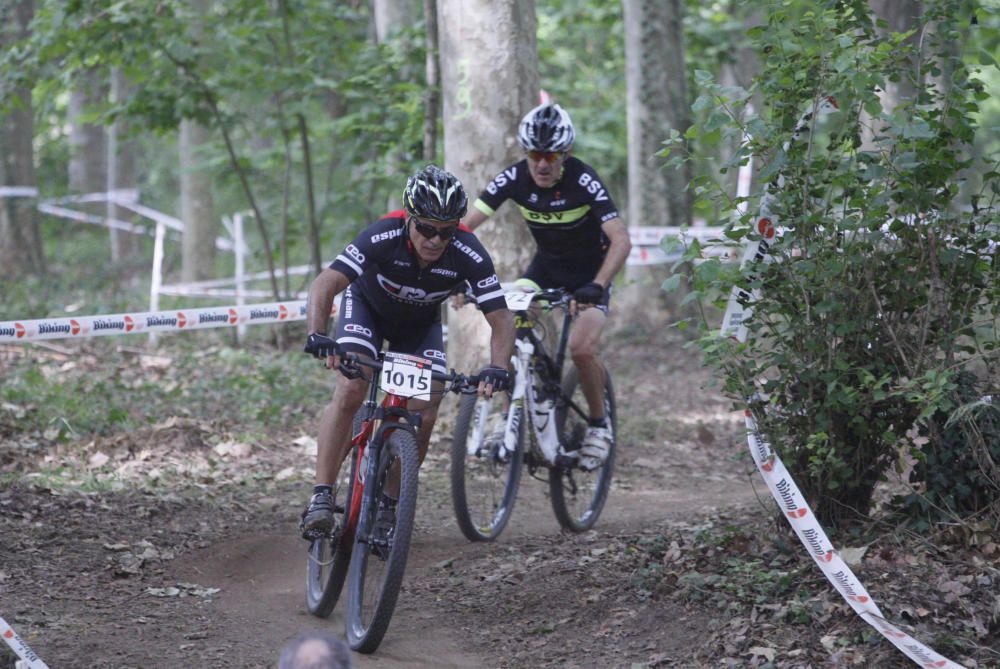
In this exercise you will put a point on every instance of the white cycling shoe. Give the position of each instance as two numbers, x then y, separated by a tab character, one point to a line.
595	449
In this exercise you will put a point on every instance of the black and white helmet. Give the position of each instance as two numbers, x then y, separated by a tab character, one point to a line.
547	127
435	194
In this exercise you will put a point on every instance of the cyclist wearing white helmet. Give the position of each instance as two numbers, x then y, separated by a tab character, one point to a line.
394	276
581	240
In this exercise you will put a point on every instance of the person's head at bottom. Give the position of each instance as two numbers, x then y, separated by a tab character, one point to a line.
315	650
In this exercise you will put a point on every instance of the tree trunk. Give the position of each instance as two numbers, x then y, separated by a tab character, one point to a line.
121	172
393	15
900	15
197	208
390	17
657	103
87	146
20	241
489	72
432	82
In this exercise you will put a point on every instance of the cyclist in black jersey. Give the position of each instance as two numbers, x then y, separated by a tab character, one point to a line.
581	243
394	277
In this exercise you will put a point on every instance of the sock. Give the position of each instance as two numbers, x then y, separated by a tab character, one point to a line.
389	501
317	489
598	422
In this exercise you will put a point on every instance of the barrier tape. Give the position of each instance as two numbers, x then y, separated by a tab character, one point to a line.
151	321
781	484
28	657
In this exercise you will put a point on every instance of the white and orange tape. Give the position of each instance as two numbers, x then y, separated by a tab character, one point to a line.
29	659
781	484
178	320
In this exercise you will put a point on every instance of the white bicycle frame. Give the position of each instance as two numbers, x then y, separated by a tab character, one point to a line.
540	411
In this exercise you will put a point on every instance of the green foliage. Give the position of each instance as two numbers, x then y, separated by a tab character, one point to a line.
61	401
883	284
256	74
958	465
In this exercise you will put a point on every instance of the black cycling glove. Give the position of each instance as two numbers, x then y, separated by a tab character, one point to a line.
319	345
497	376
589	293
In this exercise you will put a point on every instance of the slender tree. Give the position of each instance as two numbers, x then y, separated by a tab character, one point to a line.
20	242
657	106
121	173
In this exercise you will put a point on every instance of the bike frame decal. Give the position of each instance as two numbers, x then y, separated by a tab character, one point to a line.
779	481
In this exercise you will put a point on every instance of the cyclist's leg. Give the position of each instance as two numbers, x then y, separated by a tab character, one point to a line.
584	342
356	332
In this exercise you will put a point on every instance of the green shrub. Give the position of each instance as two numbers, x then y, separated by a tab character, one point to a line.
882	284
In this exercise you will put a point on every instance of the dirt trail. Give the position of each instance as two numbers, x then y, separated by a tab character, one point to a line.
126	581
261	575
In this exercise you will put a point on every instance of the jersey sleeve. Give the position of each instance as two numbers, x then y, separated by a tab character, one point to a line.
601	205
363	252
480	274
499	189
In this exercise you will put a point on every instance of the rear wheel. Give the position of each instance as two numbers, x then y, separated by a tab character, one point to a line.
577	495
484	477
378	560
329	556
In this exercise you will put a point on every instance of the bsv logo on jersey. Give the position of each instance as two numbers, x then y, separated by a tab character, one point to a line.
488	281
501	180
358	328
355	253
593	187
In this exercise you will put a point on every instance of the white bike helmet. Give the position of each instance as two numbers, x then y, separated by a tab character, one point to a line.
547	127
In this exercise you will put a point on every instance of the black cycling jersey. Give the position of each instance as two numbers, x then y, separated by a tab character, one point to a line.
565	220
384	271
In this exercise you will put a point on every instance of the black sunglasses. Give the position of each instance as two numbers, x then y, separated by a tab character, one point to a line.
428	230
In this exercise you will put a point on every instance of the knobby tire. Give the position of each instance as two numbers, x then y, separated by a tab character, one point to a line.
370	599
592	487
483	489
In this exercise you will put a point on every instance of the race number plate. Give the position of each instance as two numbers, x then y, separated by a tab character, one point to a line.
406	376
518	300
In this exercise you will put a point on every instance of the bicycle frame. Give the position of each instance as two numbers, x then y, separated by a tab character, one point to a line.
393	407
543	375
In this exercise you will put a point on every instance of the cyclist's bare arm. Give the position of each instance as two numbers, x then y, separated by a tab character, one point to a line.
617	252
502	337
326	286
474	218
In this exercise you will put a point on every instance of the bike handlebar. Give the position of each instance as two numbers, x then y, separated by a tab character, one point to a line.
350	364
556	297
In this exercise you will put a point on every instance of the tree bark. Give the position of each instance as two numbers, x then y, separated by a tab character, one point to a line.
432	87
197	206
20	240
657	103
87	146
121	172
489	74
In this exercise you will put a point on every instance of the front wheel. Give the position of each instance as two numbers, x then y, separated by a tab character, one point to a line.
484	476
577	495
381	548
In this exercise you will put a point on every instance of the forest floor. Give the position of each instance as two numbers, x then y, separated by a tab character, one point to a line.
173	542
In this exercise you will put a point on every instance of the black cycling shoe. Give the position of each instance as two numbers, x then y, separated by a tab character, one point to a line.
317	519
385	523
